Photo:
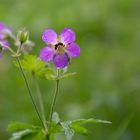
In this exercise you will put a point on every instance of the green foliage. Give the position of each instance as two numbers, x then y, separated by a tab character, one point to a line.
76	125
16	126
68	75
71	127
69	132
19	135
63	74
33	64
80	129
108	69
36	66
23	131
86	121
51	76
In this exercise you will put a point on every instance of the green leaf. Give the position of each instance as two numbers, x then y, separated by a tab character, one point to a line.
55	125
35	136
56	128
51	76
79	129
23	131
17	126
28	134
68	75
52	137
69	132
34	65
55	117
91	120
20	134
76	125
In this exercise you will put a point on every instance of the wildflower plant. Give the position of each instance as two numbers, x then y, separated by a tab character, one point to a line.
60	49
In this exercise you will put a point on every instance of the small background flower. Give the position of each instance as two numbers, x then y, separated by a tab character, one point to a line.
4	33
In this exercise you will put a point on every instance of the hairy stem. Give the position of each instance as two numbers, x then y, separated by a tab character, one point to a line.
29	91
41	103
54	99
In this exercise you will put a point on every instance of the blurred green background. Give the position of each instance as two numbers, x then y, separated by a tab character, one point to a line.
107	84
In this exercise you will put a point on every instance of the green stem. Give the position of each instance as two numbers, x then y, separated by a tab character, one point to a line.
29	91
54	99
40	103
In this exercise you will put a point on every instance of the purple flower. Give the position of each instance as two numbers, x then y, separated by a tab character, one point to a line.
4	44
4	31
59	48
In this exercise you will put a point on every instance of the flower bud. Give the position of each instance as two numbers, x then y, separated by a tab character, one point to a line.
27	46
23	35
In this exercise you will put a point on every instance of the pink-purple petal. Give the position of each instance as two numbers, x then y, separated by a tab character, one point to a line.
73	50
67	36
4	44
49	36
46	54
2	26
61	60
2	36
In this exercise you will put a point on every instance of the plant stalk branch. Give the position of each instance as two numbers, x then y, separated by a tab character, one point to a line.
54	99
29	91
41	103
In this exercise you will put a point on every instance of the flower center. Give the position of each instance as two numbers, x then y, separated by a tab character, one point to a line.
59	47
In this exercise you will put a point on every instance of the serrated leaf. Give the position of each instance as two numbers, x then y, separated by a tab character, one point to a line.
34	65
17	126
69	132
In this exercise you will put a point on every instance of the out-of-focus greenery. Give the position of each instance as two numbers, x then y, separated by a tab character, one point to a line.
107	84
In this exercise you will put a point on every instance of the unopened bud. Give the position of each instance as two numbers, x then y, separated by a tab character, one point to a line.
27	46
23	35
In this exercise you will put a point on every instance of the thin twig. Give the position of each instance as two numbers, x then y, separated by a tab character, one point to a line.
40	102
29	91
54	99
